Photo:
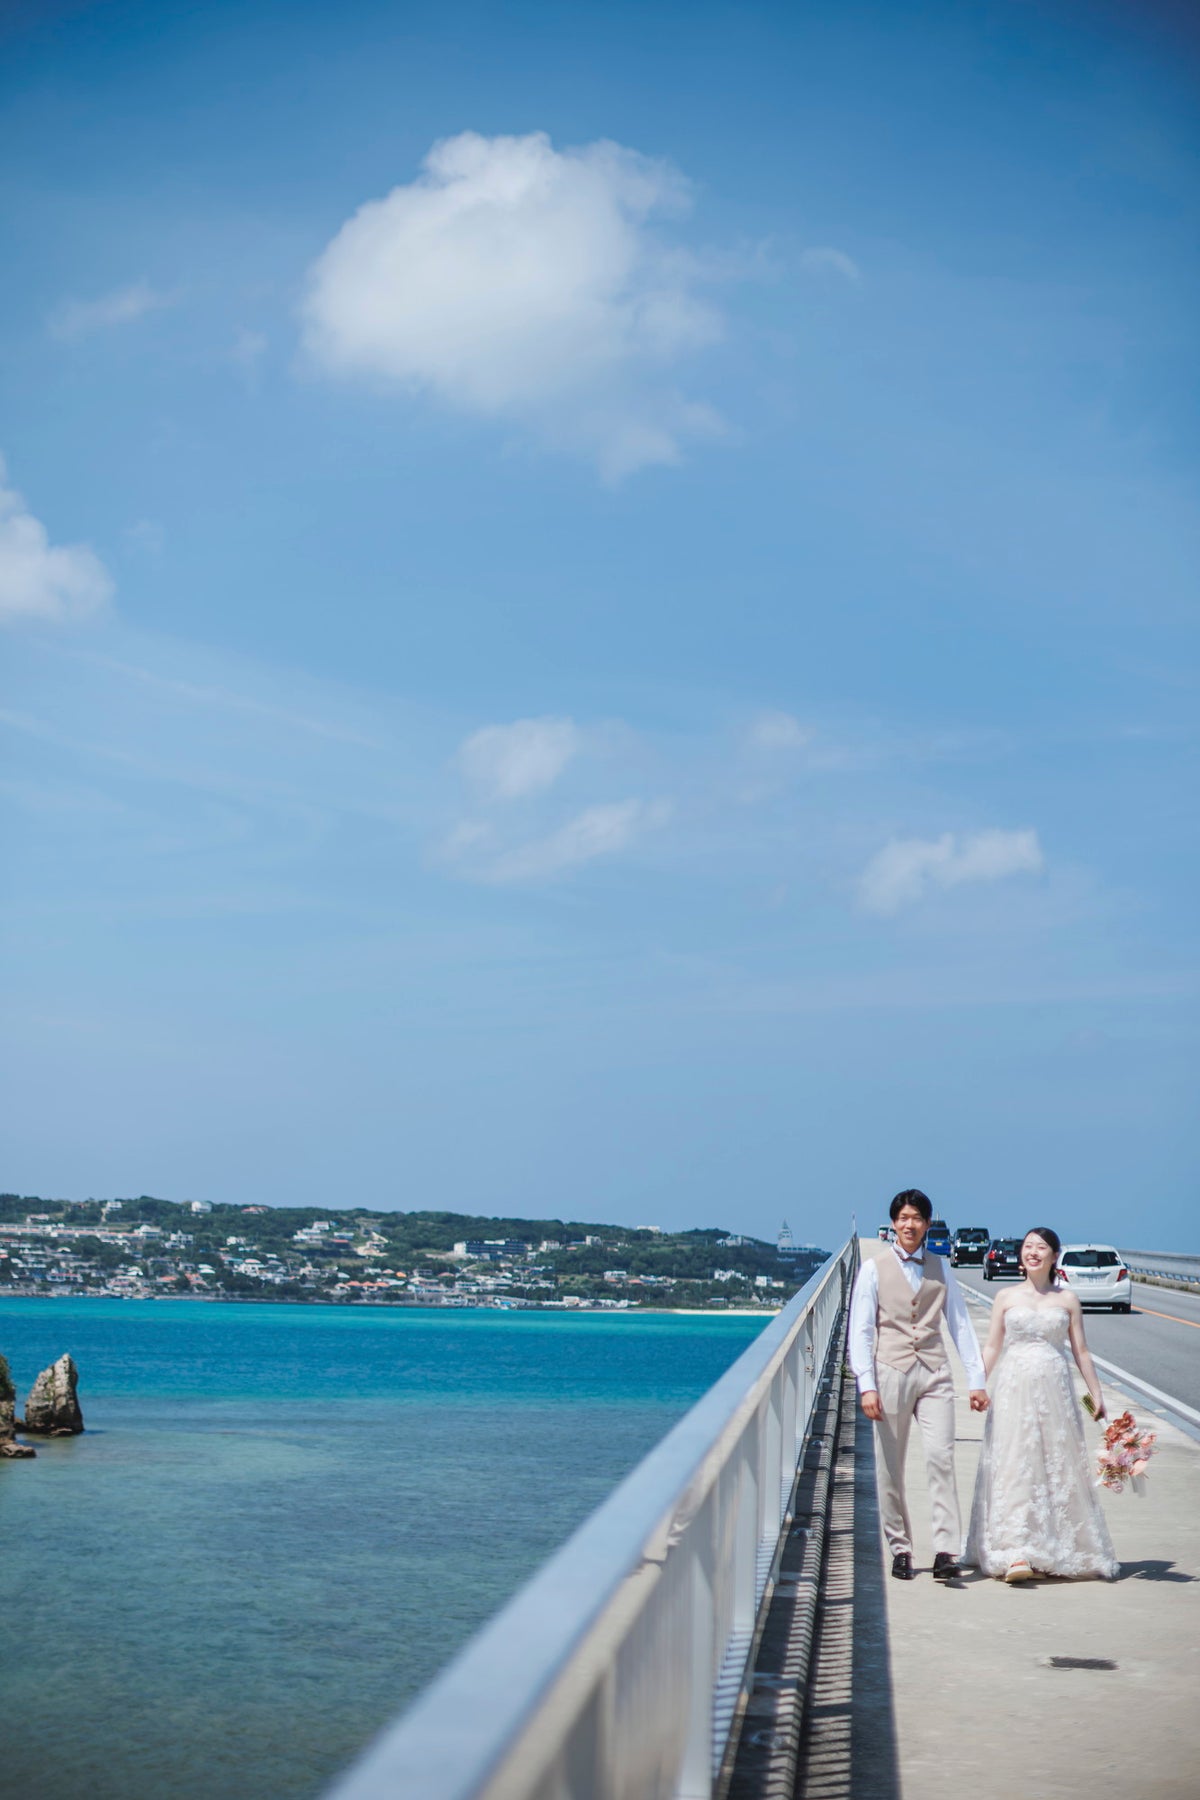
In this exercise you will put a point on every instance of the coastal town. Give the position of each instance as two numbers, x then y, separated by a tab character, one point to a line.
148	1248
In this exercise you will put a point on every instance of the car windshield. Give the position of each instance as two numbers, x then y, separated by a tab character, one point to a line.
1090	1259
938	1225
970	1236
1009	1245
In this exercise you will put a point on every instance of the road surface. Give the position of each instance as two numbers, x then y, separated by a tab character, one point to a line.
1159	1341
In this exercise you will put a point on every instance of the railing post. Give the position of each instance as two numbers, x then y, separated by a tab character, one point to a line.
790	1430
745	1577
695	1774
770	1507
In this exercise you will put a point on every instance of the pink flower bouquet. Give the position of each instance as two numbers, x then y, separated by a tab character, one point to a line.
1124	1453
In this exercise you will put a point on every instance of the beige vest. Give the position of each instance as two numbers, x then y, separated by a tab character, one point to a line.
910	1325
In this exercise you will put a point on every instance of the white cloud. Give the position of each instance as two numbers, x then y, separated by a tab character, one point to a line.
39	580
905	870
596	831
823	259
218	698
509	761
468	836
146	536
779	731
78	318
524	284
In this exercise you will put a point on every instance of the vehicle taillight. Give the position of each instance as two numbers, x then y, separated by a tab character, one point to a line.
1122	1274
991	1256
1062	1275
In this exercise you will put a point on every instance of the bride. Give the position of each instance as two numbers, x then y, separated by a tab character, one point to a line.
1035	1510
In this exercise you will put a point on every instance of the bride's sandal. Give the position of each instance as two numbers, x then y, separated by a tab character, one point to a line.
1019	1571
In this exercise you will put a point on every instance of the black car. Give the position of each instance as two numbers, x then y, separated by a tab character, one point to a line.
970	1245
1003	1258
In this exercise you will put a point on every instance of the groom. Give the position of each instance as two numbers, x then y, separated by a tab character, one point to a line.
899	1360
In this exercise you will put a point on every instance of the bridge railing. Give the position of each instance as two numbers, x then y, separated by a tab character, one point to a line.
1167	1264
611	1674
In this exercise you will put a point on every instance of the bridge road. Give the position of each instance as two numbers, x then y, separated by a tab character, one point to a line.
1159	1341
968	1697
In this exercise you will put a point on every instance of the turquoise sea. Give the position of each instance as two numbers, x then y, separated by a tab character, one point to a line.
283	1519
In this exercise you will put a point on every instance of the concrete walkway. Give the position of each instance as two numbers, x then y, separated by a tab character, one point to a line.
984	1697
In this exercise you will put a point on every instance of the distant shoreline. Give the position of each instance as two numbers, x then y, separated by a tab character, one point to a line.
607	1312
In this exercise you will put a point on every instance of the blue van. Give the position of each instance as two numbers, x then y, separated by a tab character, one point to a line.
937	1238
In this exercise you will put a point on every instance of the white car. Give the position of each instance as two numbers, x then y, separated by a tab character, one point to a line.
1096	1275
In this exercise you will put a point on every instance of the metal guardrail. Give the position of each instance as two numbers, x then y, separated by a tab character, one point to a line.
613	1674
1166	1264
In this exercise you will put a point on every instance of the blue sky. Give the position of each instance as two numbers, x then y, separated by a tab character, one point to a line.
599	610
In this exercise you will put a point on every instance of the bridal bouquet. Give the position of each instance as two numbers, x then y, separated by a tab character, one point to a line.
1124	1453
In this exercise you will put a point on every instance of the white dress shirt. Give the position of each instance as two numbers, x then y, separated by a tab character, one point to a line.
864	1306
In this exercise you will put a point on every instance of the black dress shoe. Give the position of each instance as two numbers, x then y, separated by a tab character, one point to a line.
945	1566
902	1567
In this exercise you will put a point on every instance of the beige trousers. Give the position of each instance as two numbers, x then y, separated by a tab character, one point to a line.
926	1395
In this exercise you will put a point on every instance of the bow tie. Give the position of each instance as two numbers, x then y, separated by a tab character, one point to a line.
911	1259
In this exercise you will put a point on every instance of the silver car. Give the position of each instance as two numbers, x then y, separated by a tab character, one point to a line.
1096	1275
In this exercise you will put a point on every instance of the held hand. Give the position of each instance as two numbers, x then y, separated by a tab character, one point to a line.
979	1400
1099	1410
872	1405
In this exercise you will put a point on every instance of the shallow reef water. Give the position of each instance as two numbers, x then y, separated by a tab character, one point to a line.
282	1520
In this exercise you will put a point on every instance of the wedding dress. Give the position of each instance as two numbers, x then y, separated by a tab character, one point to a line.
1035	1498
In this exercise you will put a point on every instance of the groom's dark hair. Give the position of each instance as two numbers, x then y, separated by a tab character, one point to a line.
911	1197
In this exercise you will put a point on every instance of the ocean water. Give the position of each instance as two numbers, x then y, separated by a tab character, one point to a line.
282	1520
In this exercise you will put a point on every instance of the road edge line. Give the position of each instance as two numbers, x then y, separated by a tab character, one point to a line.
1144	1387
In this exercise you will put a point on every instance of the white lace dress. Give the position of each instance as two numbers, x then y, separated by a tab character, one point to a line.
1035	1496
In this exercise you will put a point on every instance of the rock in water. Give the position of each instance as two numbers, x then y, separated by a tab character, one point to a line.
53	1405
8	1394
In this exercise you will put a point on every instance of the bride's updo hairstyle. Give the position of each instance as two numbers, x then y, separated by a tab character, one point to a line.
1048	1236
